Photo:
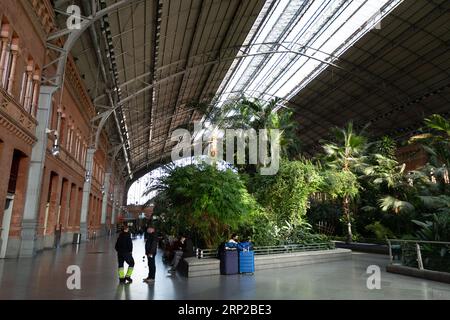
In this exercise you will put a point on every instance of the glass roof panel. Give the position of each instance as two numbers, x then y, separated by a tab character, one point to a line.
292	41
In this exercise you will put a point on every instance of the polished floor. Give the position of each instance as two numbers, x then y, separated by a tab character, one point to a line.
45	277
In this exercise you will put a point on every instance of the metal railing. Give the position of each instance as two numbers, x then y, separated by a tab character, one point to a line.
266	250
419	254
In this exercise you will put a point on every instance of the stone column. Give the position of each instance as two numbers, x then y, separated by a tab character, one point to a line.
33	189
65	207
42	207
114	206
86	192
76	224
53	212
73	203
105	203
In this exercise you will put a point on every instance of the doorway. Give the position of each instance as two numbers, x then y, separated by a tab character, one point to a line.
9	201
6	223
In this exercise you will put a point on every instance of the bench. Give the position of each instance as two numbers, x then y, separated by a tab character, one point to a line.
194	267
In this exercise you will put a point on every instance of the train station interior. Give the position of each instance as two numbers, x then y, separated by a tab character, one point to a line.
352	96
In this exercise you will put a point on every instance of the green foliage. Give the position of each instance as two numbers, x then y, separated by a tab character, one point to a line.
263	231
340	184
436	140
364	184
207	201
386	147
285	196
327	212
435	229
390	203
257	114
346	151
381	232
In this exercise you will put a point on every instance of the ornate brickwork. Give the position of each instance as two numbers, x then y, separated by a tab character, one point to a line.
14	118
44	11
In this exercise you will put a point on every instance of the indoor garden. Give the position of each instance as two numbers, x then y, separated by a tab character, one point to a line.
353	190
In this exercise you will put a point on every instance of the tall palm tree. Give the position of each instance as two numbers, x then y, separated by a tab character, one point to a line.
346	154
436	141
258	114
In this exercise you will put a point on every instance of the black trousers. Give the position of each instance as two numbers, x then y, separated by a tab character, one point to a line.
151	267
125	257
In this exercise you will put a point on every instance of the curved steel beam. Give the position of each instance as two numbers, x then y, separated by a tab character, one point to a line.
75	34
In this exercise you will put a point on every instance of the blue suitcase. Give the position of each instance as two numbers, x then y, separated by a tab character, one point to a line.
229	262
246	262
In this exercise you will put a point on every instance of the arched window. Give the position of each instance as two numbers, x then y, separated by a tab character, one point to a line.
8	58
35	91
26	89
4	50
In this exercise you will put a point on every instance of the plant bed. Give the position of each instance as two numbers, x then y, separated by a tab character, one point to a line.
364	247
424	274
194	267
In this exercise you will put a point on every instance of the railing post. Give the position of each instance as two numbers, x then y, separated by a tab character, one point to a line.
419	257
390	251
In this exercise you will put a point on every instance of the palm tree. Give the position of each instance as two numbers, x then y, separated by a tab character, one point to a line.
436	141
345	154
258	114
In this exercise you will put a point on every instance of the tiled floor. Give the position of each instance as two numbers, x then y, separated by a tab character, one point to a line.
45	277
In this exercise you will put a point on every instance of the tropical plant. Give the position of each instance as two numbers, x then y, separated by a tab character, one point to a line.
380	231
344	157
257	114
436	227
285	196
206	201
384	146
436	140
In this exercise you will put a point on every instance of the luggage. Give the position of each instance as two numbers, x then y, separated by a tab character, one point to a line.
246	261
229	262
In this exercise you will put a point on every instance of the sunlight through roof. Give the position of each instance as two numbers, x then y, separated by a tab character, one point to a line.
292	41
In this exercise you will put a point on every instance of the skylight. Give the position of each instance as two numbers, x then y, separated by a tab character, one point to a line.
292	41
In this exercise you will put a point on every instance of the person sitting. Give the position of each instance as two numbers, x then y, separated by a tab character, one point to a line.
183	249
233	243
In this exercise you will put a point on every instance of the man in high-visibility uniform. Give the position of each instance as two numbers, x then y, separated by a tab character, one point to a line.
124	248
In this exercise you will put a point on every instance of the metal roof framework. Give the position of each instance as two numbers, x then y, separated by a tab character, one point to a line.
159	56
163	55
403	76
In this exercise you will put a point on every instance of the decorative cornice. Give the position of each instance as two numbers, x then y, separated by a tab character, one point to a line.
16	120
45	13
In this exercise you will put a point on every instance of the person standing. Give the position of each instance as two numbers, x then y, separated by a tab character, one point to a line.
124	248
151	246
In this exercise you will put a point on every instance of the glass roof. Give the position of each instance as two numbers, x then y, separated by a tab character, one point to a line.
292	41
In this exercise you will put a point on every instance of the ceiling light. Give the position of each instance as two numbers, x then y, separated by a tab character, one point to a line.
87	178
55	149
